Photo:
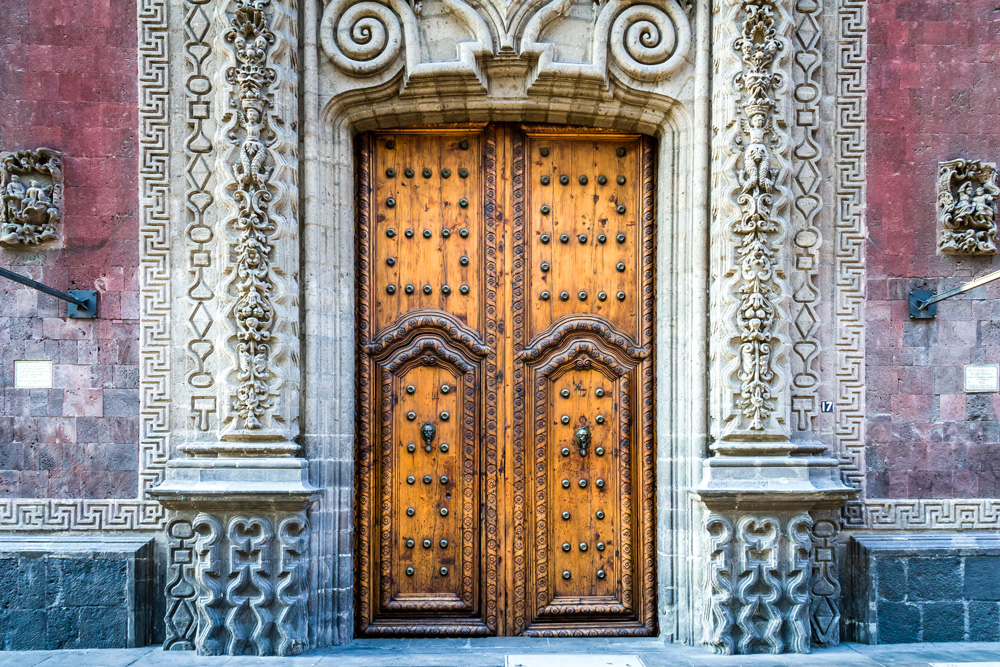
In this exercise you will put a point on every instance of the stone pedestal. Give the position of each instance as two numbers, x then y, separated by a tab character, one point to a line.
771	577
238	555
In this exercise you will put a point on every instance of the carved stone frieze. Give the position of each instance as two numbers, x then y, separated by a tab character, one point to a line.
237	584
644	42
967	193
31	188
759	578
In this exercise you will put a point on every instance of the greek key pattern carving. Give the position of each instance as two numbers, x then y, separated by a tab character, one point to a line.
849	257
949	514
755	284
248	583
967	192
31	188
759	577
807	181
198	233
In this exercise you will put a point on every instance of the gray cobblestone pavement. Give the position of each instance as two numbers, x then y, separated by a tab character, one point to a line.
491	653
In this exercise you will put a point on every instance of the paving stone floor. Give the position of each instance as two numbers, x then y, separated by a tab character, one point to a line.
492	652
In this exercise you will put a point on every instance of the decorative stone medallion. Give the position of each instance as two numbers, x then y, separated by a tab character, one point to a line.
967	191
31	183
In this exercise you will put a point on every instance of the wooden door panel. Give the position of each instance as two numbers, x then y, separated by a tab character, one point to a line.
428	471
426	449
583	243
428	202
586	258
505	382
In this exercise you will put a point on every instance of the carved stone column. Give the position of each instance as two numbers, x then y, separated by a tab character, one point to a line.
759	486
237	486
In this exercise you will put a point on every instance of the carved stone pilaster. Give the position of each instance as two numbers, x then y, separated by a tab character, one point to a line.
31	196
759	486
237	583
236	488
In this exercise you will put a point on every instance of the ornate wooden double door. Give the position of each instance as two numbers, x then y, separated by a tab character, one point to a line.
505	382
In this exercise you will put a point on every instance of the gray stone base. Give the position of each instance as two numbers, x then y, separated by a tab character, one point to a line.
62	593
924	587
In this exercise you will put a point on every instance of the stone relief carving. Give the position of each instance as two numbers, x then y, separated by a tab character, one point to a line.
759	578
849	257
647	41
181	619
380	36
31	187
807	182
251	39
199	235
236	585
756	283
967	192
824	606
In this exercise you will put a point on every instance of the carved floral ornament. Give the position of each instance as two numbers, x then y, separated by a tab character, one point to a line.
757	228
647	40
251	39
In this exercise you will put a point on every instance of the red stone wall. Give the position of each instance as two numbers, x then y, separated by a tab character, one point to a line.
933	95
68	82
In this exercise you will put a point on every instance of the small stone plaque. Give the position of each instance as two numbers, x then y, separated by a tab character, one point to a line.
982	378
32	374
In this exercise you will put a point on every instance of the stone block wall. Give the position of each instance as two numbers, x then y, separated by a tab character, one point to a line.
932	96
930	587
64	593
68	82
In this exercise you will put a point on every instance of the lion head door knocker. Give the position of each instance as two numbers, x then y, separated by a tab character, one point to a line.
583	439
427	432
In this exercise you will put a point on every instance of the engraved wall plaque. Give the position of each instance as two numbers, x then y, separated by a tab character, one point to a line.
32	374
982	378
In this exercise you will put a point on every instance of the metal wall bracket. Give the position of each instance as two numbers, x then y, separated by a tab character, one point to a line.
922	303
82	302
89	311
918	309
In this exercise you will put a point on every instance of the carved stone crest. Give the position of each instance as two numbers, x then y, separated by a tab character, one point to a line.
967	191
31	183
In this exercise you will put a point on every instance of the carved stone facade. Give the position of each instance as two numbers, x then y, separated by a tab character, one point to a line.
31	188
967	193
248	455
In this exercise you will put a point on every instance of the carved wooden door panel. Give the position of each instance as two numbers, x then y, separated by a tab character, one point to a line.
505	382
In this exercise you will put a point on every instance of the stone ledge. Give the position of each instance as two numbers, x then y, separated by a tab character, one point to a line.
923	587
62	593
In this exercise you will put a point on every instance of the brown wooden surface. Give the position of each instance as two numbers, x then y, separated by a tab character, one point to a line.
538	378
